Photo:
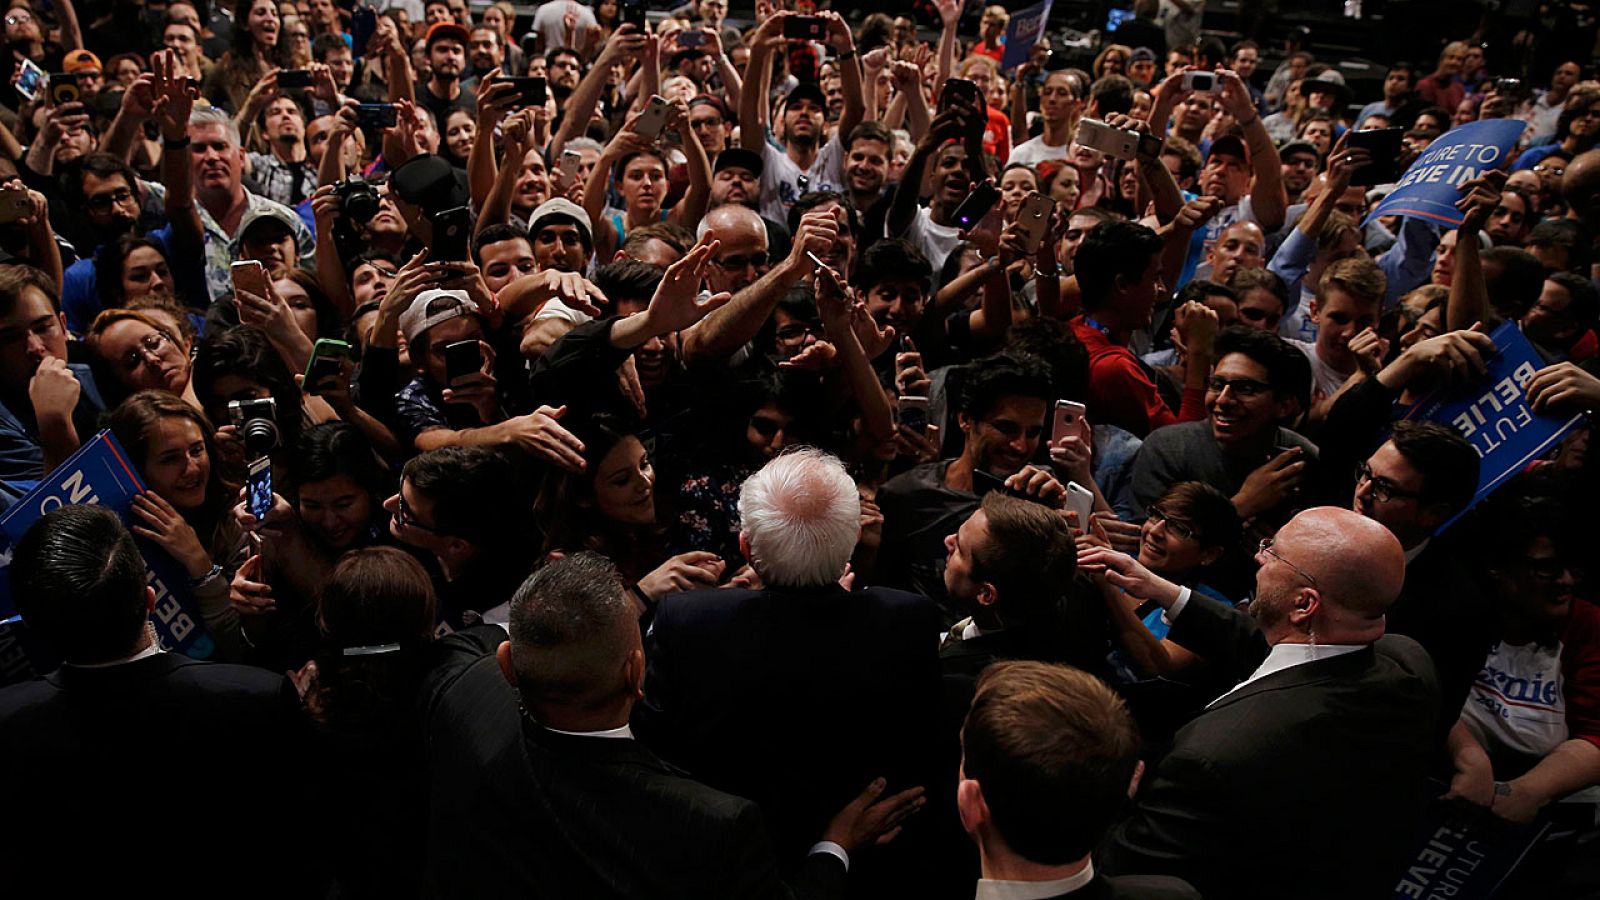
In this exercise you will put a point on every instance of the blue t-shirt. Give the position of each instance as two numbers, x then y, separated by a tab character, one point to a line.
80	294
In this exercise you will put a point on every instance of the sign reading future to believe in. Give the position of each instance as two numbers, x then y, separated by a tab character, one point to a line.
1494	414
1431	187
99	473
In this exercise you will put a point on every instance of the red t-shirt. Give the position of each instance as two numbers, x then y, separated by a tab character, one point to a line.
997	135
1122	391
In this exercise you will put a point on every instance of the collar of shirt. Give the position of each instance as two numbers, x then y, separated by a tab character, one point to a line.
1287	656
620	733
149	651
991	889
971	631
1416	551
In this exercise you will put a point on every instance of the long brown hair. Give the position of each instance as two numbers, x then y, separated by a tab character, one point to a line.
375	613
133	421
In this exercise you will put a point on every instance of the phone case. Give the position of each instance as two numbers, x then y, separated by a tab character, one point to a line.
976	206
463	359
249	276
653	120
1035	218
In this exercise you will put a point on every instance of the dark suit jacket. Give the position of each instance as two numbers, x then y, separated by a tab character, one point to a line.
189	772
1305	783
795	699
518	810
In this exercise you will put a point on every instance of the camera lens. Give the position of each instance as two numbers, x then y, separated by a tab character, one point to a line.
260	437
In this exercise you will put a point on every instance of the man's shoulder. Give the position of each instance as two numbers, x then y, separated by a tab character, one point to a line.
1139	887
1177	434
928	476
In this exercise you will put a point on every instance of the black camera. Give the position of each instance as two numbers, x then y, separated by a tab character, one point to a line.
257	421
358	200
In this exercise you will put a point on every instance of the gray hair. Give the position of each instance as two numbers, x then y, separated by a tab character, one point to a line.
210	115
801	516
582	143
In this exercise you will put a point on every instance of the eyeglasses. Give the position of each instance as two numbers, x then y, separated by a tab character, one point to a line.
404	518
1549	568
1244	388
1178	528
1547	169
149	350
795	331
18	18
740	263
104	202
1383	489
1266	547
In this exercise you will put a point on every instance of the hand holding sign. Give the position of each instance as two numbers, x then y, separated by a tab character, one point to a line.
1479	197
1431	186
1563	387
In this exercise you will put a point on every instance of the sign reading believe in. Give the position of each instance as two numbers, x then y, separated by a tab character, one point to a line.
1431	187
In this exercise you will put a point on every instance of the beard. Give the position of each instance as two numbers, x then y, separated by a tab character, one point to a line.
1269	608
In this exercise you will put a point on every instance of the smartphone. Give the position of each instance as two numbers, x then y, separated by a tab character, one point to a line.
1200	82
363	25
249	275
1384	145
258	493
691	38
805	28
1068	414
462	360
377	115
1034	214
570	161
983	482
653	119
32	80
326	357
828	272
1080	500
452	230
64	88
293	79
633	14
1114	142
961	89
914	414
977	205
531	89
14	204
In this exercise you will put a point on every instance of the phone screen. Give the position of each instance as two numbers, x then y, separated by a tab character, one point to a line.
259	491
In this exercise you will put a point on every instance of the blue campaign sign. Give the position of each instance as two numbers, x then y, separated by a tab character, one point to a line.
99	473
1431	187
1495	416
1022	32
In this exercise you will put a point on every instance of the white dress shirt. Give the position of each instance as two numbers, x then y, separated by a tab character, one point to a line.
992	889
151	650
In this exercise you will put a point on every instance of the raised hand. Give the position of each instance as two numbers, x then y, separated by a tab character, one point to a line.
871	818
678	302
173	94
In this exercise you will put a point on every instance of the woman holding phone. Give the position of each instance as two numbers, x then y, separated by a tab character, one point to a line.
328	501
256	53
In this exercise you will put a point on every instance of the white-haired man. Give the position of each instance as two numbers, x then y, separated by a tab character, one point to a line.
799	694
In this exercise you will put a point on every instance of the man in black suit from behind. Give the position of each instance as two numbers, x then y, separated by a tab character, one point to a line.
1307	778
1048	756
130	761
558	800
799	694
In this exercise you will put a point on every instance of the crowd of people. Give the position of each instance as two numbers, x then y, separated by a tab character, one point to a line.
613	452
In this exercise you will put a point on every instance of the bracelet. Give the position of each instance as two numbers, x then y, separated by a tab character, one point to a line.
850	54
1043	273
175	143
213	573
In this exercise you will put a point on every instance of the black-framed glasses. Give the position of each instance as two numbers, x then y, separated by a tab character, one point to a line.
739	263
1266	547
403	516
1179	528
1383	489
104	202
1549	568
797	331
1244	388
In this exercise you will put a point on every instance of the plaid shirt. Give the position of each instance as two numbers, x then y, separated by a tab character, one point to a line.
287	183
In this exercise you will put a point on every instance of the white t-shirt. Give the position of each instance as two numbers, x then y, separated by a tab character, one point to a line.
1325	382
1517	703
782	182
1035	151
935	241
547	20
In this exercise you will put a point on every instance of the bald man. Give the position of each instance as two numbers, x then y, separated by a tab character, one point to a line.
1305	779
1580	188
